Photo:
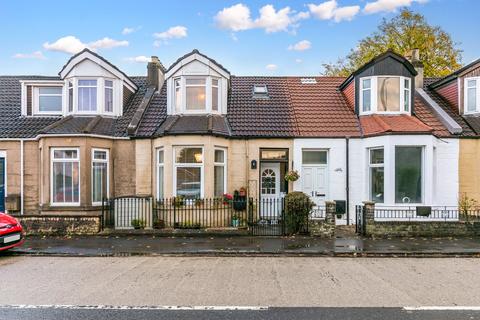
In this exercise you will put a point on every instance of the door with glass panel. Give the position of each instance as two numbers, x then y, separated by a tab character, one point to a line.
271	202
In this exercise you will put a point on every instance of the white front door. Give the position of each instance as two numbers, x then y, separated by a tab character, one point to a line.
270	197
314	183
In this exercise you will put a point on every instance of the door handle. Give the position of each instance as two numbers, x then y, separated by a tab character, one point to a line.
319	194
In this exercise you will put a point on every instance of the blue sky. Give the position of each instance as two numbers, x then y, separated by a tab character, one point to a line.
247	37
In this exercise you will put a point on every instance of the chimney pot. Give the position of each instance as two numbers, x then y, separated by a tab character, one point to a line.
414	58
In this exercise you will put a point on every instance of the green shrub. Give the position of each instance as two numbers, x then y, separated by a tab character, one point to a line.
297	208
138	223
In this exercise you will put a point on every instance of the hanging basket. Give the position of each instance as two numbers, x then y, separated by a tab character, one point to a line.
292	175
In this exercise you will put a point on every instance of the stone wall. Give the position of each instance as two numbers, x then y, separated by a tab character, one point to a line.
60	225
385	229
324	228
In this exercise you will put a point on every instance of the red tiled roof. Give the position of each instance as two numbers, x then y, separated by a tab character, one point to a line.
380	124
321	110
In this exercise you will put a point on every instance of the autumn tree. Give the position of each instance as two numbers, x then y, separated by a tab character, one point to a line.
406	31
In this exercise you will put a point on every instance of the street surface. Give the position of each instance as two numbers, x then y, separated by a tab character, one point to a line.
62	285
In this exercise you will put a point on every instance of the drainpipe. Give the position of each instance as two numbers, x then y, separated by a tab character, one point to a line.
347	181
21	177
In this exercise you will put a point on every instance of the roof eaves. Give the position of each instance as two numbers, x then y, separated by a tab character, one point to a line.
195	51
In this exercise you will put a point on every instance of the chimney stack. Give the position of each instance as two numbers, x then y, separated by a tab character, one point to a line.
155	73
414	58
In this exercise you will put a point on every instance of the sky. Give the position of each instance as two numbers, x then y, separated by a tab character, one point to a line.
247	37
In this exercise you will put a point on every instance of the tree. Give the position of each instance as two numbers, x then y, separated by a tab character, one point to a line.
404	32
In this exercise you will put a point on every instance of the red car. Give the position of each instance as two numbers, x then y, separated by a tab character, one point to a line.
11	232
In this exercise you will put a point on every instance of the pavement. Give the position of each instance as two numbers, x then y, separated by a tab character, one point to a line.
268	314
152	245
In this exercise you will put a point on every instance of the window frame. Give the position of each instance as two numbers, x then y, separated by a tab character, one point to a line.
422	170
189	165
107	161
375	165
179	82
36	99
465	95
105	88
52	160
374	95
162	181
224	165
98	98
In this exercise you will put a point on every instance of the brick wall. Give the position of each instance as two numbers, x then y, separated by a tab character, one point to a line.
324	228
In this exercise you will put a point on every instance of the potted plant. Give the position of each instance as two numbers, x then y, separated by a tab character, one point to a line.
239	201
292	175
227	198
138	224
159	224
235	221
178	201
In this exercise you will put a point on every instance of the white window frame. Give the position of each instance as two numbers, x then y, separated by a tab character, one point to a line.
52	160
105	87
223	165
465	95
218	93
70	104
188	165
376	165
182	108
99	96
36	100
161	181
107	161
374	95
393	166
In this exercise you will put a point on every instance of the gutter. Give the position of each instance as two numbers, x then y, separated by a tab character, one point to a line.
347	178
452	126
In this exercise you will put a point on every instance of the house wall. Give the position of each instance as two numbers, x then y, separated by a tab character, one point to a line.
440	168
240	152
469	168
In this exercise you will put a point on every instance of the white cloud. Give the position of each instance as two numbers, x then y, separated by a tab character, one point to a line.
72	45
271	67
238	18
330	10
235	18
300	46
128	30
33	55
298	60
68	44
388	5
176	32
138	59
107	43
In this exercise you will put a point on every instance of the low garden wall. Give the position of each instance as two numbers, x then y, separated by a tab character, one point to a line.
324	227
447	228
60	224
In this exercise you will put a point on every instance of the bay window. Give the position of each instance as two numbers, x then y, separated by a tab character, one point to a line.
408	174
49	99
188	172
220	177
65	176
87	95
70	96
376	173
385	94
160	174
472	95
100	181
108	96
196	93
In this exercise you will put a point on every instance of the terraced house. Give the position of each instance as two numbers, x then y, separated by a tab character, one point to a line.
194	130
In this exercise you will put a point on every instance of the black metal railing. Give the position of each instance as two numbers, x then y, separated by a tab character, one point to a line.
424	213
261	217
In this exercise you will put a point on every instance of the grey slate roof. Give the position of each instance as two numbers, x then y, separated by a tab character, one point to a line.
194	124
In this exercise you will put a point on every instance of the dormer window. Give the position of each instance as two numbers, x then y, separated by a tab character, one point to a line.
385	94
472	95
87	95
200	94
108	96
48	100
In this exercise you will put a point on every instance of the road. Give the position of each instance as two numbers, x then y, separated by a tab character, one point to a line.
236	281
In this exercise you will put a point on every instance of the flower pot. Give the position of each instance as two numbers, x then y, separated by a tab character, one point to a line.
235	223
